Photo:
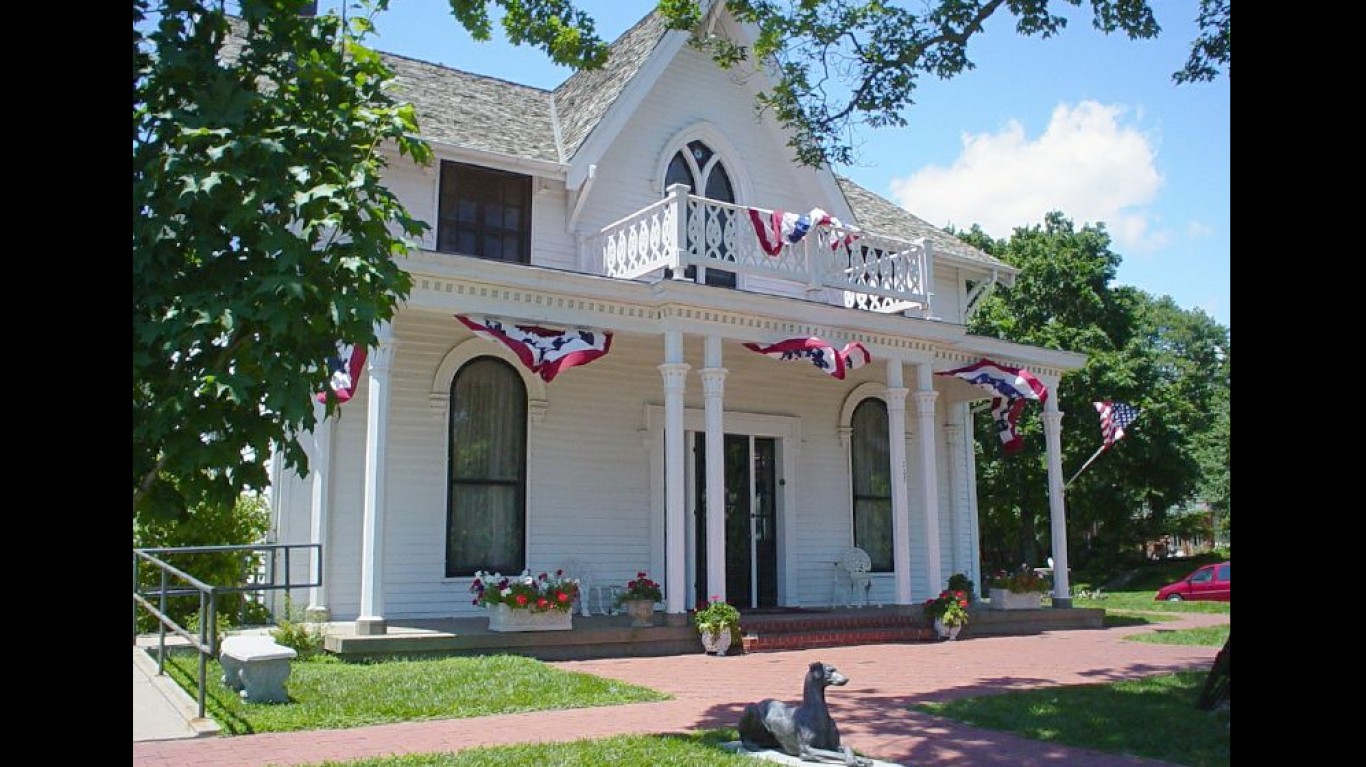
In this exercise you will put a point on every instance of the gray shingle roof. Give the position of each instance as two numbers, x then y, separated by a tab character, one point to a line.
474	111
881	215
585	97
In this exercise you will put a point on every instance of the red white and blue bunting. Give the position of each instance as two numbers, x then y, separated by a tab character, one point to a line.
825	357
778	228
544	351
1012	387
346	366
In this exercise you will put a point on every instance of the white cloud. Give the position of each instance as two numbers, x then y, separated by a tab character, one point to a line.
1087	164
1198	229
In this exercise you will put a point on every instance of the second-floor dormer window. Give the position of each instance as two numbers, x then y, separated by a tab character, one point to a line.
484	212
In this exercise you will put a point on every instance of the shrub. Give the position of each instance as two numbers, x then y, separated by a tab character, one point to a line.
245	522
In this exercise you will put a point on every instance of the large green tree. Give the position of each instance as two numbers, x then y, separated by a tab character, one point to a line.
1144	351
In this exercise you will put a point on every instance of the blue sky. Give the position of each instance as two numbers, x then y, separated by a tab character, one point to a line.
1085	123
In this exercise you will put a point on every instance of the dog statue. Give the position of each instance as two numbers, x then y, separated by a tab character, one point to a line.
807	731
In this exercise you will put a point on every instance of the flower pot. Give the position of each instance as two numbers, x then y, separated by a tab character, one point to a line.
946	632
642	612
1001	599
504	618
716	642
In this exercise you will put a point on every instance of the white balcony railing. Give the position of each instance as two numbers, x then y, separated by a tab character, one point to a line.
866	270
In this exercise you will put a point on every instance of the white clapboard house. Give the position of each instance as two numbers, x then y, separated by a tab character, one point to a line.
578	374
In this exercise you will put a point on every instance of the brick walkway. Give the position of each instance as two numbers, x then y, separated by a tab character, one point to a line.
871	710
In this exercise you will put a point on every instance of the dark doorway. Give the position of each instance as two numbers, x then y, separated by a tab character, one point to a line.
751	520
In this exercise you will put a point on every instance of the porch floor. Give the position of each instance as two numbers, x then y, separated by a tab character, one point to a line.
611	636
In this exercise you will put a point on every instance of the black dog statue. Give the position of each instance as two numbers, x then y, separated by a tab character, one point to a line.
807	731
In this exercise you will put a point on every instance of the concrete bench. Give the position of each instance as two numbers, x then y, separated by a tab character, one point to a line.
257	667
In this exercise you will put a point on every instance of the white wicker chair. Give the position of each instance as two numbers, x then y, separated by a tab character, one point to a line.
853	570
574	569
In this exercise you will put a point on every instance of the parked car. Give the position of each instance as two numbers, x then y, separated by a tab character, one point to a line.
1210	583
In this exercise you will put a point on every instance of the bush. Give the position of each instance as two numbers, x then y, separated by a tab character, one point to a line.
244	523
306	638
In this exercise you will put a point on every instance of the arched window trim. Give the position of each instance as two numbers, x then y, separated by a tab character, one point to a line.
722	151
525	467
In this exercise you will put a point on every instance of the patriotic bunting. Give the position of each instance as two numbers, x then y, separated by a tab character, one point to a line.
824	356
544	351
779	228
346	366
1012	387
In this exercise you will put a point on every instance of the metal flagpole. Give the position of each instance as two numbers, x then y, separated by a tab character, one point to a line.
1093	457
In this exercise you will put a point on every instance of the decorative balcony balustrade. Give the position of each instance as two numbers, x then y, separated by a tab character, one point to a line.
860	268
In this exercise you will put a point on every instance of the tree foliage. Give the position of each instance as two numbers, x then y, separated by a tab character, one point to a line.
1144	351
262	236
842	63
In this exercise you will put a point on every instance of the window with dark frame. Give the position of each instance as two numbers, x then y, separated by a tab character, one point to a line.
486	496
699	162
484	212
870	462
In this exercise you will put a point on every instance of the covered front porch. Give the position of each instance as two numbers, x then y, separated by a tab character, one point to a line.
611	636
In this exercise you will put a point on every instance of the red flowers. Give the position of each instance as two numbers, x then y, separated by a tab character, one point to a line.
561	596
521	600
526	592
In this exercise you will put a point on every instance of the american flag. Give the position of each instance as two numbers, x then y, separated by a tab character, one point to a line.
1115	417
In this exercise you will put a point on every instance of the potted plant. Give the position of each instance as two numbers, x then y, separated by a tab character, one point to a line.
639	600
949	611
526	603
961	582
1020	590
718	624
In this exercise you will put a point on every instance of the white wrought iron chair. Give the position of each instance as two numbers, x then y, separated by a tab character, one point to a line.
574	569
853	570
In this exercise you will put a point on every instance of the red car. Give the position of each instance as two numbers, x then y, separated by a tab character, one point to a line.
1210	583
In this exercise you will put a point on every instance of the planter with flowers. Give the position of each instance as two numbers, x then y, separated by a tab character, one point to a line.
639	600
1020	590
718	624
949	611
526	603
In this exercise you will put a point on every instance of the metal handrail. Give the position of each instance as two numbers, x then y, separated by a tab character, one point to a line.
206	643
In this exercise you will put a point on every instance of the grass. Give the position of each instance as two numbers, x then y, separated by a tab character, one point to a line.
1154	717
1205	636
334	695
700	749
1142	601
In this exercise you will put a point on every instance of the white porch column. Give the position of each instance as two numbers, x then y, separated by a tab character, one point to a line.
925	396
1057	513
959	511
675	372
371	619
321	465
901	506
713	390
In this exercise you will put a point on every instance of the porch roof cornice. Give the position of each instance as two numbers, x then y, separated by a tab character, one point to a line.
464	284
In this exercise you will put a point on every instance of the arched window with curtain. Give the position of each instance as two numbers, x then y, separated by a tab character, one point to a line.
870	462
486	496
697	166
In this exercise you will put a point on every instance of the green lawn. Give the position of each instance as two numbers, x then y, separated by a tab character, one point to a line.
1207	636
1143	601
1154	717
333	695
698	750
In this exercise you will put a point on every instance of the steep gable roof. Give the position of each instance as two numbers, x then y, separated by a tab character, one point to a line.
881	215
474	111
583	100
